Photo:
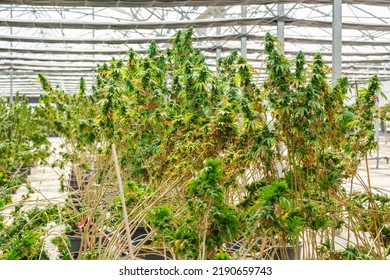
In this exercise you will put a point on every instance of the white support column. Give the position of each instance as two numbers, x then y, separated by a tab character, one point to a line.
93	30
219	45
11	71
280	27
93	47
337	39
280	36
93	79
219	13
11	86
243	32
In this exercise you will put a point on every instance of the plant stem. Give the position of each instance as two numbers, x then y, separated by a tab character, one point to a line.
121	192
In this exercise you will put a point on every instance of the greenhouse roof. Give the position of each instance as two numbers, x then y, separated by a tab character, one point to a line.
173	3
66	39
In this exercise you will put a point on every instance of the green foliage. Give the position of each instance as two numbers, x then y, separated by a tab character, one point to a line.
161	218
384	112
375	211
275	214
205	224
63	245
367	112
22	240
70	116
5	198
23	143
222	256
263	161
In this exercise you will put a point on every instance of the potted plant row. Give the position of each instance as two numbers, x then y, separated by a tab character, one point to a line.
212	158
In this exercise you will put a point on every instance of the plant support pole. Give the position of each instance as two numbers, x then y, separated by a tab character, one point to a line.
280	36
121	192
280	23
336	39
243	32
377	125
11	86
12	69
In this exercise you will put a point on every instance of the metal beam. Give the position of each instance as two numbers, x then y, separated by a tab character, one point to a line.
225	37
198	23
176	3
129	25
384	54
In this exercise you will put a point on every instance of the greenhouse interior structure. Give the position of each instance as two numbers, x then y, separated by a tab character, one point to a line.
194	130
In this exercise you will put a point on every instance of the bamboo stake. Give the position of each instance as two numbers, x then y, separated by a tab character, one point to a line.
121	192
368	178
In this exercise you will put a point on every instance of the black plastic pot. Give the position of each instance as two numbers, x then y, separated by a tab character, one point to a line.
76	240
140	234
236	245
154	254
74	184
77	204
289	252
23	170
